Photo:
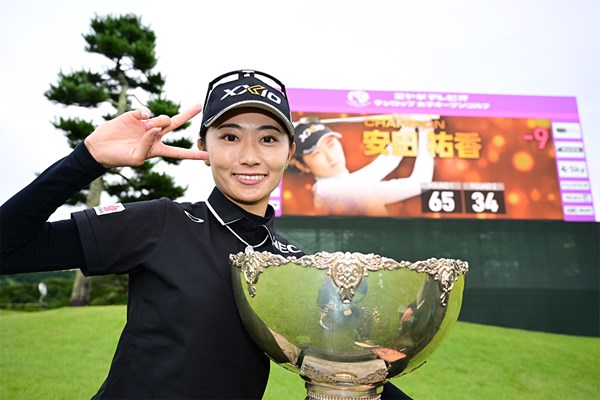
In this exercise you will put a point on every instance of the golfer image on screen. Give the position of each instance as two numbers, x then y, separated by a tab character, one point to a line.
337	191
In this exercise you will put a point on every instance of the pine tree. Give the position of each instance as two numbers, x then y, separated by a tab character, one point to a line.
129	74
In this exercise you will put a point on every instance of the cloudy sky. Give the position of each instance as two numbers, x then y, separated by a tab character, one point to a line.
516	47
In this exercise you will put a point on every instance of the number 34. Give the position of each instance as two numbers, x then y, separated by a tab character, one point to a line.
484	202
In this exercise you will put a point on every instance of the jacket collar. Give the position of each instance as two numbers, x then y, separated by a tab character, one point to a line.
226	212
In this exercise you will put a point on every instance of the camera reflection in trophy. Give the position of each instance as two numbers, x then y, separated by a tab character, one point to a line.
335	314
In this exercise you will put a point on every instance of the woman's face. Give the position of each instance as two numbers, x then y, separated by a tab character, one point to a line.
248	152
328	159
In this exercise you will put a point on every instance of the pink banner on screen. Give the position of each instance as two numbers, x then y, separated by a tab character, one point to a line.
451	104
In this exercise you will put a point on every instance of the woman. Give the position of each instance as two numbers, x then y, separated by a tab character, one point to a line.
183	337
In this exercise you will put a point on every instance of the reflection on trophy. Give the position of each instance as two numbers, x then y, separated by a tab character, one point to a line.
347	322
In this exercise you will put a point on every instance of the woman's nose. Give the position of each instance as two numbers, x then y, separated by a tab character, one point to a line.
249	154
328	154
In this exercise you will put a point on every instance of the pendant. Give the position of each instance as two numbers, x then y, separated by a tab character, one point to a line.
249	250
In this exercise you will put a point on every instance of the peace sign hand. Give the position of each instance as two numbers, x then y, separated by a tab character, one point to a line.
133	137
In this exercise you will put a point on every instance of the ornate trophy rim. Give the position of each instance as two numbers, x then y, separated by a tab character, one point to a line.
347	269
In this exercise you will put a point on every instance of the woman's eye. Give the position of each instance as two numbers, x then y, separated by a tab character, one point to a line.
269	139
230	138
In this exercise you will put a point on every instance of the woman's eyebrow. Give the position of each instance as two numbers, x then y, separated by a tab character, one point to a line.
266	127
229	125
260	128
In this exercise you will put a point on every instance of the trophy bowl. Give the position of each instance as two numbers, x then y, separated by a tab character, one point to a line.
347	322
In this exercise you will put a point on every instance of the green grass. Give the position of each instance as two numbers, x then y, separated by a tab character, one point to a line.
65	354
58	354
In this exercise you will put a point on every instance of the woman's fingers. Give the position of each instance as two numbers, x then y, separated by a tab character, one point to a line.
162	121
141	113
169	124
183	117
151	145
181	153
186	115
134	136
143	150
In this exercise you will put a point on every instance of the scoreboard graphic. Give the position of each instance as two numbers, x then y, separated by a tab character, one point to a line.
438	155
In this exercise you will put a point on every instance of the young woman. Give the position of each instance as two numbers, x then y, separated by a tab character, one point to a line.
183	338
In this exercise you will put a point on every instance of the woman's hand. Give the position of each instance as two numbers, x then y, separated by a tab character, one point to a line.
133	137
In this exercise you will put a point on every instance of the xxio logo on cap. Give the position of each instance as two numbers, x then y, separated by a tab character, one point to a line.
310	130
254	89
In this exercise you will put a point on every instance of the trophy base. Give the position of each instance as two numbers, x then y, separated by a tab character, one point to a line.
323	391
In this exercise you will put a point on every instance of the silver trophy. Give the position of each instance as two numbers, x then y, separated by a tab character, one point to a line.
347	322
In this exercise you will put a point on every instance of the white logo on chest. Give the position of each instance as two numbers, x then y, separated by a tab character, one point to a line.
194	219
285	248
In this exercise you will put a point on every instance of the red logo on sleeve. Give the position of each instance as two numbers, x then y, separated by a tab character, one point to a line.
113	208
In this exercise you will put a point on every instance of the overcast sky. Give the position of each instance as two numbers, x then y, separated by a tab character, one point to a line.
528	47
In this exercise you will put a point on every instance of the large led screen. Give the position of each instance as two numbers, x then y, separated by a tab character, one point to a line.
435	155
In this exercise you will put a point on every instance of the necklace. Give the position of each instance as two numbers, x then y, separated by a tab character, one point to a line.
249	248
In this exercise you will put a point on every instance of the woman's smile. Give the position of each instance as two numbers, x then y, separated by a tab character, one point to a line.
250	179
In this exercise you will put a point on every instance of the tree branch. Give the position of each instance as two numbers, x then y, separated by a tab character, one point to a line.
138	100
118	172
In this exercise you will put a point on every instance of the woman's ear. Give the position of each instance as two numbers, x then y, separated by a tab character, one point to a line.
201	148
291	152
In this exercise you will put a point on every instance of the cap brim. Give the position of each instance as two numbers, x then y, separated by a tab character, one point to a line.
330	133
327	134
256	104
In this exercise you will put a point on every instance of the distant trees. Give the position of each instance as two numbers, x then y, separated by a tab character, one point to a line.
129	48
